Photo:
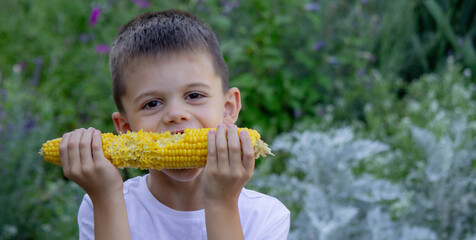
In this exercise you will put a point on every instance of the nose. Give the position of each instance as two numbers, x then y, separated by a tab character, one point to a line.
175	112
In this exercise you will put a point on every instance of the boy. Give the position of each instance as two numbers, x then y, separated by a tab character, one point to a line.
168	74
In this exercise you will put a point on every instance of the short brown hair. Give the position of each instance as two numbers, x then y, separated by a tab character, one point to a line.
160	34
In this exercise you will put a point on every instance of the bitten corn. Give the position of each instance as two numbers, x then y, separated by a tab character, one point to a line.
156	151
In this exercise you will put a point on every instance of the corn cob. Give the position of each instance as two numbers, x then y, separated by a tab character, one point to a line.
156	151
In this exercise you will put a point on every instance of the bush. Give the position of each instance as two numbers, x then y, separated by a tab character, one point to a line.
36	202
300	65
417	181
288	57
331	201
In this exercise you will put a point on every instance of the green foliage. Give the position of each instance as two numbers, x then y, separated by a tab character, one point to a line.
463	44
339	189
434	101
287	57
36	201
378	66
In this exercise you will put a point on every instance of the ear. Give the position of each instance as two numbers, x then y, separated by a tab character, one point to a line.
121	123
232	106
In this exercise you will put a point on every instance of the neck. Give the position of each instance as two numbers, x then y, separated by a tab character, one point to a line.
181	196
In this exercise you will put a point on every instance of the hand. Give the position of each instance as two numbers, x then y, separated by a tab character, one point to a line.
230	165
83	162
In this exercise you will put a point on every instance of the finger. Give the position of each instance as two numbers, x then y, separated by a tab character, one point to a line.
85	149
222	147
234	148
248	151
63	151
73	149
211	149
97	150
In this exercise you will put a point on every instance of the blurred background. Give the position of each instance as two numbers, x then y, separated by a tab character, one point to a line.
369	106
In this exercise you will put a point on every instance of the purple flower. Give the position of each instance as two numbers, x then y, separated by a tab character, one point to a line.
320	111
312	7
141	3
93	17
364	1
29	123
368	85
38	61
3	94
297	113
320	44
102	48
229	6
333	60
84	37
37	73
361	72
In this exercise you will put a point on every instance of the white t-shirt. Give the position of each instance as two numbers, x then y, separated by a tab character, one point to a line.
262	216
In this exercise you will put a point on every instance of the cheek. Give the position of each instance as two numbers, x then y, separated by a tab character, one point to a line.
148	124
211	116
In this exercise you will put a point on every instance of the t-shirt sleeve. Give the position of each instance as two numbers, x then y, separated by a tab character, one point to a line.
263	216
86	219
278	226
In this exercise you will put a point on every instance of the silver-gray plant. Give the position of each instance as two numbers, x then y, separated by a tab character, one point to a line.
436	201
444	189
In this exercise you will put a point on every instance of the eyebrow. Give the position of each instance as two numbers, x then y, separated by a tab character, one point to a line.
156	92
198	84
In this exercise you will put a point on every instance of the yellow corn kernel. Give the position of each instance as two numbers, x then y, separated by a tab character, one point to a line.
156	151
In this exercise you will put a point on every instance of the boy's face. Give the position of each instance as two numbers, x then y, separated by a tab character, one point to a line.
173	94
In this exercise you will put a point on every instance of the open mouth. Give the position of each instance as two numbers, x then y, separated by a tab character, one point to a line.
177	132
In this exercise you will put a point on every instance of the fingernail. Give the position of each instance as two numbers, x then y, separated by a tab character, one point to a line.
221	125
211	132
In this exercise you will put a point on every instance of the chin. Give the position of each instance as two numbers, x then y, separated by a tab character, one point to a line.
183	175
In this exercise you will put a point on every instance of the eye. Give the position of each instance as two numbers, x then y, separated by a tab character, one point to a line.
151	104
194	95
